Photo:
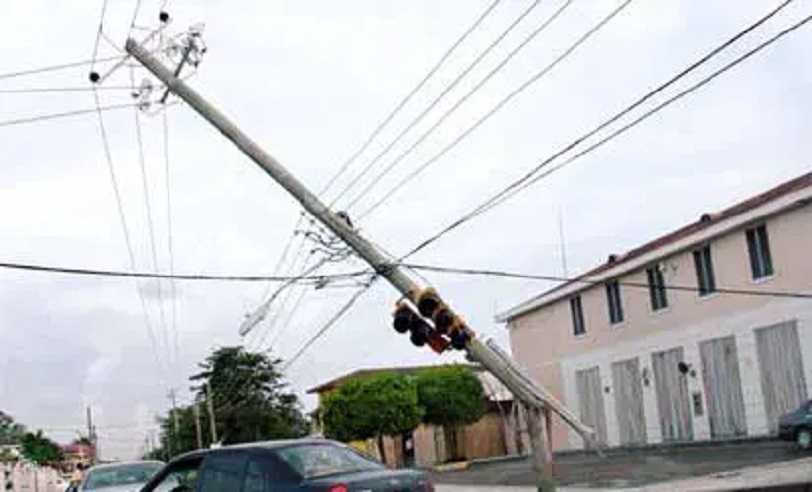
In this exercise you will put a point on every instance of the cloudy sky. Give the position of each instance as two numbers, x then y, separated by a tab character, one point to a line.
310	81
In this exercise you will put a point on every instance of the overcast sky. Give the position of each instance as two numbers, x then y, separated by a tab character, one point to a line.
310	81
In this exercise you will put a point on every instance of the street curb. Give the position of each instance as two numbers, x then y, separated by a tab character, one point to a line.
630	450
459	466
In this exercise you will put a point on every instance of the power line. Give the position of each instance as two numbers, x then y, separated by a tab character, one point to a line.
468	94
66	114
592	281
332	321
408	98
532	176
440	96
496	108
124	228
150	223
38	90
377	131
169	235
62	66
190	277
99	34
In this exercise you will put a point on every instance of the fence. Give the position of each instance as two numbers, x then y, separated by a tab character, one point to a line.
30	478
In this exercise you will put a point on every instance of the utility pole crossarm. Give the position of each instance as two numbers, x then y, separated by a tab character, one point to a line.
494	361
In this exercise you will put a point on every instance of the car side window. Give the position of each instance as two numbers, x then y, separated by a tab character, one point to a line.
222	471
177	477
257	477
265	474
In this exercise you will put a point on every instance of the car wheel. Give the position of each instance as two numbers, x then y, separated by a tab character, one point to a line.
804	439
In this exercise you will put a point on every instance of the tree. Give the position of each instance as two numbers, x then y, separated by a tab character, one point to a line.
251	403
451	396
372	408
39	449
11	432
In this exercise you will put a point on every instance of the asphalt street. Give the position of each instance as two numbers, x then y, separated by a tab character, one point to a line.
629	468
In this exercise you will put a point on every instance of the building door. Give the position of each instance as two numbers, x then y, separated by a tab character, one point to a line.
723	387
673	401
407	449
590	397
782	370
631	418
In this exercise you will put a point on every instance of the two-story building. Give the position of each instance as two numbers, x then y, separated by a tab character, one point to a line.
704	333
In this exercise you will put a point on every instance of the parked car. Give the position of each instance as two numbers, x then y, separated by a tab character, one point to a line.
285	466
797	426
119	477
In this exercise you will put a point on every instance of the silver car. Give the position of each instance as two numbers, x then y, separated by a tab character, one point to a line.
119	477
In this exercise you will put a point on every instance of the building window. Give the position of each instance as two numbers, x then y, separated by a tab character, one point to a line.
578	327
705	281
614	302
758	245
656	288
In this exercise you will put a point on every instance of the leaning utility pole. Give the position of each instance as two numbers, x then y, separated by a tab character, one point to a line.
527	391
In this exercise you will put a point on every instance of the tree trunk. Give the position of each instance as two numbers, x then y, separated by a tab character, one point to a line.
381	448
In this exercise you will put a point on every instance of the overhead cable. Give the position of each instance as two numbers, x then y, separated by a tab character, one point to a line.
533	175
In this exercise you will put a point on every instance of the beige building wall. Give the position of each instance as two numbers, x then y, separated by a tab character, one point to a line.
542	340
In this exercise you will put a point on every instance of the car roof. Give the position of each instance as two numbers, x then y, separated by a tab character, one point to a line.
118	464
259	446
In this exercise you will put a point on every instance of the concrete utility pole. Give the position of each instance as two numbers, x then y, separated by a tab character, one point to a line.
493	360
198	431
173	442
91	434
210	406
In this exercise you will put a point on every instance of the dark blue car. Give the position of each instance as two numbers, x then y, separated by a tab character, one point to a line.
797	426
317	465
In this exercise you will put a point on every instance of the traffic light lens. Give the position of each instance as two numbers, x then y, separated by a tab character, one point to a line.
420	334
404	317
444	320
458	339
428	304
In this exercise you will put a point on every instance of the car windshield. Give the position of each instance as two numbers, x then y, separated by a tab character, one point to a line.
317	460
135	473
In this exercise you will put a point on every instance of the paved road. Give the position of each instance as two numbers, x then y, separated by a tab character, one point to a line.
630	468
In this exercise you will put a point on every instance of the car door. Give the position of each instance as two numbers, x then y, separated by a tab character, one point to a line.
222	471
178	476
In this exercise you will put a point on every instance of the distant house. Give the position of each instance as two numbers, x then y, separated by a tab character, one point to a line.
495	434
79	453
698	334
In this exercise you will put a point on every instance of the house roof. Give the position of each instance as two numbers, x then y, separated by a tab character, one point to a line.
618	261
365	373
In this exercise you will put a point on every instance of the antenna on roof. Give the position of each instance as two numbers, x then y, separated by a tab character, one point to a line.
563	244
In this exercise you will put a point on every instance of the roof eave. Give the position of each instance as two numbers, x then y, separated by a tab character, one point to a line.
784	203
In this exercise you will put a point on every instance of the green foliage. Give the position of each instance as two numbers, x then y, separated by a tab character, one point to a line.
39	449
371	408
251	403
11	432
451	396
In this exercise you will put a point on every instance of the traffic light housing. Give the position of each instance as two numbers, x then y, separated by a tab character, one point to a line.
446	322
405	320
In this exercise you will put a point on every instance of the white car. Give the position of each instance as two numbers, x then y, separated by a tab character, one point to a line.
119	477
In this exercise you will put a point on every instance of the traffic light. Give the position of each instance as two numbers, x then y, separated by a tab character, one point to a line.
420	332
446	322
